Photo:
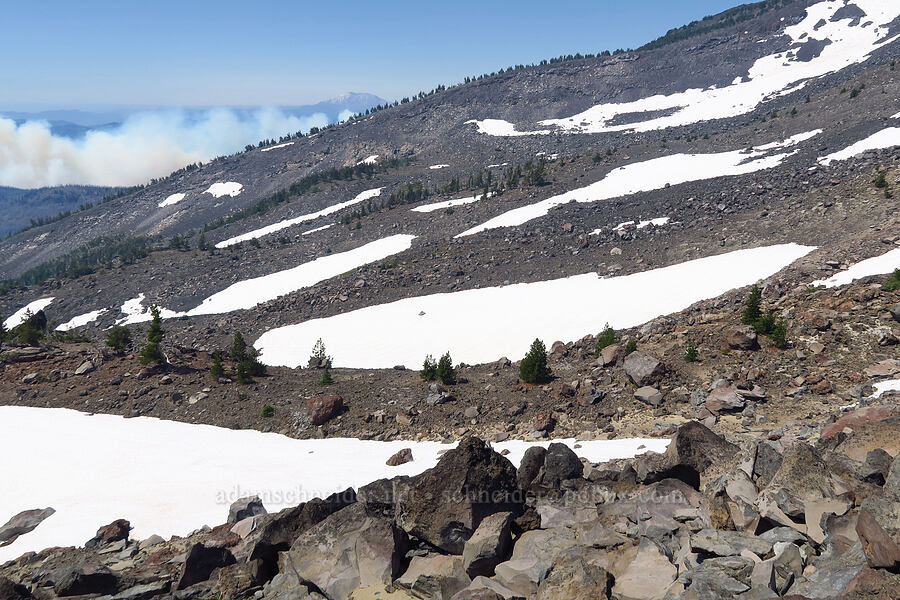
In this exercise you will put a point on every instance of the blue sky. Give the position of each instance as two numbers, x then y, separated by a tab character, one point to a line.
64	54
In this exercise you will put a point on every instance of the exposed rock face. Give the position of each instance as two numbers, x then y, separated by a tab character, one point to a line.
9	590
23	523
86	576
347	550
435	576
575	574
200	563
445	505
741	337
322	409
245	507
643	369
489	545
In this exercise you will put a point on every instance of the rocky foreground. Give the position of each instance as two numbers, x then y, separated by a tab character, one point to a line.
707	519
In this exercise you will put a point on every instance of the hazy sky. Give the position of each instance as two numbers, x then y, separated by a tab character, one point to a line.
199	53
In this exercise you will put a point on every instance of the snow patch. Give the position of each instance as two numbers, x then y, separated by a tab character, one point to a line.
135	312
268	229
81	320
877	265
369	160
95	486
897	116
885	386
436	167
172	199
653	174
18	317
277	147
322	228
481	325
427	208
770	76
886	138
229	188
250	292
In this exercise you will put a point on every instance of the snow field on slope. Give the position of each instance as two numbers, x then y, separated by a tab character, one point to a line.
886	138
427	208
276	147
81	320
169	478
481	325
250	292
653	174
18	317
172	199
775	74
269	229
876	265
369	160
229	188
881	387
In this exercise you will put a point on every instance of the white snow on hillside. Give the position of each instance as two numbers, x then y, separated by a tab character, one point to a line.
269	229
276	147
436	167
481	325
657	222
81	320
18	317
322	228
229	188
877	265
250	292
193	472
881	387
427	208
653	174
886	138
172	199
772	75
897	116
369	160
135	312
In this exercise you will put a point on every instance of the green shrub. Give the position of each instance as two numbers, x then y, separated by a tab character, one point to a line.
268	411
779	335
445	371
119	339
606	338
151	354
893	282
691	354
3	332
326	378
319	355
429	369
247	358
766	324
31	331
631	346
533	368
881	180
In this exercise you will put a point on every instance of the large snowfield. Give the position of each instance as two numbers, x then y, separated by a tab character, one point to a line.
172	199
18	317
876	265
849	41
269	229
228	188
482	325
654	174
886	138
171	478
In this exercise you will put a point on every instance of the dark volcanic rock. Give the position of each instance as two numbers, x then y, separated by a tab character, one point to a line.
115	531
87	576
560	464
444	505
10	590
22	523
531	465
693	450
200	563
322	409
245	507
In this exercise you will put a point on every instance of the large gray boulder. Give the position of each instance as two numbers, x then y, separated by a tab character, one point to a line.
693	451
532	558
245	507
489	545
23	523
444	505
435	577
575	575
347	550
643	369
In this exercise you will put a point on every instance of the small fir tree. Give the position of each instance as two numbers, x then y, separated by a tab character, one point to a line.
779	335
429	369
691	354
319	356
151	353
445	371
238	347
533	368
752	307
606	338
217	370
326	378
268	411
631	346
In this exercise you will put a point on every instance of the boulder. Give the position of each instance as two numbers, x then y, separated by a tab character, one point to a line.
114	532
894	309
647	576
560	464
878	527
85	368
347	550
649	395
200	563
444	505
742	337
85	576
144	591
285	586
322	409
694	449
611	354
10	590
531	464
724	397
244	508
729	543
876	467
435	577
533	555
23	523
489	545
643	369
380	495
574	575
483	588
400	458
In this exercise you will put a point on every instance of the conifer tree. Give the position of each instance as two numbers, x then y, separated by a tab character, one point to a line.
151	353
533	368
217	370
445	371
752	307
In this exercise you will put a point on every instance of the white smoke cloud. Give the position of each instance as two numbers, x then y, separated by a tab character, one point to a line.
146	145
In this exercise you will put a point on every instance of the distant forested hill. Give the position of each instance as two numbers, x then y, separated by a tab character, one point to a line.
23	208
